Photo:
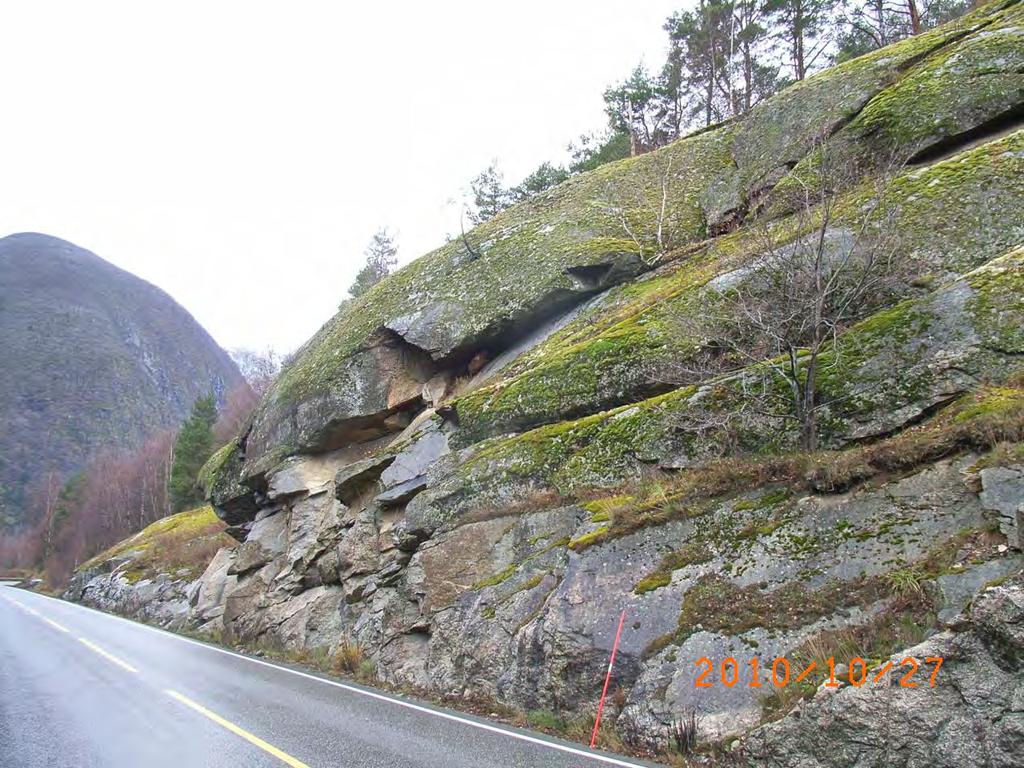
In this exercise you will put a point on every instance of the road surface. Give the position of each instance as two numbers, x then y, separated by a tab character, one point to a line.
80	688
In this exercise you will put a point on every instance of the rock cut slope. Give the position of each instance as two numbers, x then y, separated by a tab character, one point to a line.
478	530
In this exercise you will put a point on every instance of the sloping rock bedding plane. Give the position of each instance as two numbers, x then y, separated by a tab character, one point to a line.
477	531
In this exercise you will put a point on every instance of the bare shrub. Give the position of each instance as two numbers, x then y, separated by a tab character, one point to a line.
779	318
683	731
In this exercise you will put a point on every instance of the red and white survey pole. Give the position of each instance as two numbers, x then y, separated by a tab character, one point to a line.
607	680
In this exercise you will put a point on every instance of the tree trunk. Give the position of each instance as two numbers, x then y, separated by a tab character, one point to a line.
808	413
748	77
879	9
798	41
915	17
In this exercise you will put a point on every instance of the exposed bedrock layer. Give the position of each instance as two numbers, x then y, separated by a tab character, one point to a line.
470	471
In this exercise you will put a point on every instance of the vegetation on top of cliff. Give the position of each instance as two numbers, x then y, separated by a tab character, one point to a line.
485	289
506	264
180	546
783	129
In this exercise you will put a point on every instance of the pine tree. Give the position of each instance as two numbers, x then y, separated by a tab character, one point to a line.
634	107
802	26
192	448
381	258
490	196
545	177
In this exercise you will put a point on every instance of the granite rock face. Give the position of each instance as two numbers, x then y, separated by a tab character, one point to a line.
1003	492
472	471
974	714
165	600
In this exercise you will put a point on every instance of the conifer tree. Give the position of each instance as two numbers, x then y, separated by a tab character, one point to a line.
193	446
381	258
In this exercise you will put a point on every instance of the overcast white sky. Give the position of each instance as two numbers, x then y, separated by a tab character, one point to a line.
240	154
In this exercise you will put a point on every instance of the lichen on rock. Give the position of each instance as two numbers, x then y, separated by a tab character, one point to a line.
469	472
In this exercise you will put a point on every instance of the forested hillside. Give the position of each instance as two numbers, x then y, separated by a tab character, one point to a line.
94	358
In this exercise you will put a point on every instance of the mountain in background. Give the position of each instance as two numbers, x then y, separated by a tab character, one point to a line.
92	357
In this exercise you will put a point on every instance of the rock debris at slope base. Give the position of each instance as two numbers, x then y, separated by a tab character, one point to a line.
477	530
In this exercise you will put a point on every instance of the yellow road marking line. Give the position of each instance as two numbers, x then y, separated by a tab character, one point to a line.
55	625
238	731
108	656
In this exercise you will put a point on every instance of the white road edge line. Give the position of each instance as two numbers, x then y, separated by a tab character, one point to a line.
38	615
371	694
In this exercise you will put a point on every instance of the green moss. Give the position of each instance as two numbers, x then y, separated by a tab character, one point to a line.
652	582
182	542
545	720
963	211
856	378
758	530
952	215
998	401
694	553
997	307
133	575
954	89
582	542
221	469
717	605
497	578
783	129
525	253
532	583
997	582
770	499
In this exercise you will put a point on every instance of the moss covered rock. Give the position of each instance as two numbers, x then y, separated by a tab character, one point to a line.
951	216
780	131
152	576
953	91
477	292
885	372
220	478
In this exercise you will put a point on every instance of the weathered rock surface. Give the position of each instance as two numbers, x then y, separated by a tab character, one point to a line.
1003	492
974	715
157	575
164	601
470	472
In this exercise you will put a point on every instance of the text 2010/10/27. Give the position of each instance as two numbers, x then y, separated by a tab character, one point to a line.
779	674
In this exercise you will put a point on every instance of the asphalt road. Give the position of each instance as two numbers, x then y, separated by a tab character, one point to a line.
80	688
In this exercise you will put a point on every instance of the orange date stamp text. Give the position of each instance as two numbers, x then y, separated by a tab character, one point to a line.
730	672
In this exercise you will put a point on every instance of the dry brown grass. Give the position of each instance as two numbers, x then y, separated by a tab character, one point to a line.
348	658
530	502
993	417
192	550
